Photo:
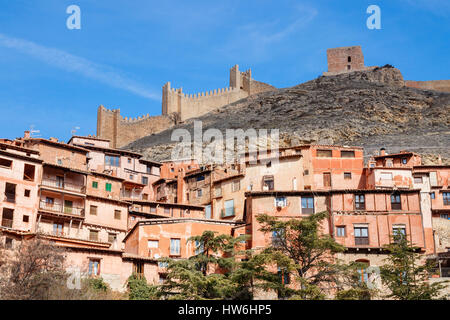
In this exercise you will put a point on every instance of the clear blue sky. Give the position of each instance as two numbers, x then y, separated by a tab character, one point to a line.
55	78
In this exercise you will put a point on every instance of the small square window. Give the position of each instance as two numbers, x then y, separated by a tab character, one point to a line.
404	161
27	193
129	160
433	195
26	218
117	214
93	235
340	231
94	184
93	210
347	175
112	237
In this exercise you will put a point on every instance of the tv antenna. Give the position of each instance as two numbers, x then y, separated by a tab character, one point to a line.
34	133
74	130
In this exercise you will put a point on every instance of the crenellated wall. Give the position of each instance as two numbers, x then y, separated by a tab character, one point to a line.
176	106
122	130
193	105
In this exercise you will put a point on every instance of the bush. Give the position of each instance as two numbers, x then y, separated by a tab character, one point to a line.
139	289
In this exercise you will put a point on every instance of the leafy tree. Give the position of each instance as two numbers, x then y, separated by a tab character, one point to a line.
309	252
198	277
405	275
139	289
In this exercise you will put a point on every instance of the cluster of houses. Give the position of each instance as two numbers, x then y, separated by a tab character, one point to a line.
116	213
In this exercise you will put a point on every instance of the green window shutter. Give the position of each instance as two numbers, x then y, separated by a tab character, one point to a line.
108	187
94	184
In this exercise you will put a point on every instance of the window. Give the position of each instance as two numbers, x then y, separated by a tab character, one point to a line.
307	205
446	198
49	201
26	218
432	195
324	153
8	243
94	267
175	247
280	202
28	172
277	238
349	67
112	161
306	172
349	59
129	160
58	229
200	178
68	206
404	161
152	209
5	163
117	214
93	235
229	208
362	270
59	162
347	175
10	192
217	192
60	181
340	231
199	193
167	210
433	178
27	193
398	232
361	235
268	183
208	211
327	179
145	180
149	169
153	243
360	203
7	218
138	268
95	184
294	183
444	216
112	237
199	247
418	179
396	202
236	186
172	169
131	177
108	187
145	196
269	164
93	210
283	276
347	154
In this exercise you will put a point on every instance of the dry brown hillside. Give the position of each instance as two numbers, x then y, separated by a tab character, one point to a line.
372	109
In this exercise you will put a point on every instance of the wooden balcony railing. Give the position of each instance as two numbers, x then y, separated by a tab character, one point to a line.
63	185
7	223
55	207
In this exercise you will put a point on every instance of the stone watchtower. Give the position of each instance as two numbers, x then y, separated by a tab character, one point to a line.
345	59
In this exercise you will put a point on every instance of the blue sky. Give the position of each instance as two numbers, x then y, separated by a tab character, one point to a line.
55	78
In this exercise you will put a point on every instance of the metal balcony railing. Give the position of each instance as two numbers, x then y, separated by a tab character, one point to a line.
55	207
361	241
63	185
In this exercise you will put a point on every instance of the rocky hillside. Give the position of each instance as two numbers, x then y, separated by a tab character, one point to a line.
372	109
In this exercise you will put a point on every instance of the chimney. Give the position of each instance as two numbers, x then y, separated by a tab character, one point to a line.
382	152
439	159
26	134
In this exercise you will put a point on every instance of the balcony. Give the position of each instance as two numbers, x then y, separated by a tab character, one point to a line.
58	208
7	223
63	185
10	197
361	241
128	194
